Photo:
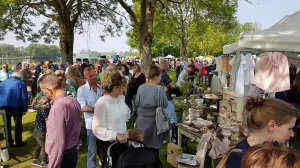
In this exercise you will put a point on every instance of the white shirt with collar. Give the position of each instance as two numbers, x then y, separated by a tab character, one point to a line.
86	96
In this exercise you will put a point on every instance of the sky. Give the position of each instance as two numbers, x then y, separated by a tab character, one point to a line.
265	12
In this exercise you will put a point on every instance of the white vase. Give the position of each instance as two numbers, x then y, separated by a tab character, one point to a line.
226	132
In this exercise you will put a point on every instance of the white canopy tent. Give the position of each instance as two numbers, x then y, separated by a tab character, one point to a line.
169	56
283	36
200	57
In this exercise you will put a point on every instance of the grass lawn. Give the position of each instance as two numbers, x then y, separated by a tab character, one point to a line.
22	157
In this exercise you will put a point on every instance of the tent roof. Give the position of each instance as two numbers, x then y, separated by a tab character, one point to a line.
169	56
282	36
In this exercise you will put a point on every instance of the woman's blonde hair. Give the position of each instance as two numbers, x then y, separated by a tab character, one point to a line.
74	74
270	154
110	79
263	110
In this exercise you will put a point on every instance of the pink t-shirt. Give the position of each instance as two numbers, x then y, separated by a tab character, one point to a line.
272	72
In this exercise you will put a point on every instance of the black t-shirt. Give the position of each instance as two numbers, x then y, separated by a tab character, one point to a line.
135	83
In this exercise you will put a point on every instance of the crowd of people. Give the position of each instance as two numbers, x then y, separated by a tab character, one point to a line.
98	100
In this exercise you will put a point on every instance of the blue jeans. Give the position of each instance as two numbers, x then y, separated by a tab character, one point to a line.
170	110
92	149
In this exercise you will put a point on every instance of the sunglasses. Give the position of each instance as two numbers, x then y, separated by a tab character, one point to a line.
5	67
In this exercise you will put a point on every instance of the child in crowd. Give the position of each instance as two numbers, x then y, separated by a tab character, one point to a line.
135	134
42	105
270	154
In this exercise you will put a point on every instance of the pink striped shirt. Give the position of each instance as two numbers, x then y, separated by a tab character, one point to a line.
63	128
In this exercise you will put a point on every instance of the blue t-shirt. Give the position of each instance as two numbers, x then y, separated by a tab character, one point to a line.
235	158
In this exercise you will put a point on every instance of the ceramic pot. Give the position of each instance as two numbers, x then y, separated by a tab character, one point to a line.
226	132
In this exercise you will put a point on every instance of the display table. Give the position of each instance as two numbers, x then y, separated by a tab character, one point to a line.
196	136
3	114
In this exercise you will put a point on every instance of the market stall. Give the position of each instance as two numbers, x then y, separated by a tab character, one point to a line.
204	124
240	75
282	36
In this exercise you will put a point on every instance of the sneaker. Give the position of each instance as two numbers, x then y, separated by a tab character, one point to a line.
35	162
43	164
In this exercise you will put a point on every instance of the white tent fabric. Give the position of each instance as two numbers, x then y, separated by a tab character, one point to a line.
283	36
200	57
169	56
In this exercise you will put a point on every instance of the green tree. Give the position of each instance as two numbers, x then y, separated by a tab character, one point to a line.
7	50
91	53
65	17
142	17
192	17
50	52
249	27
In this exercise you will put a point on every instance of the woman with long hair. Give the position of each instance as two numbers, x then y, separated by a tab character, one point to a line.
137	79
74	78
269	120
125	73
150	96
111	113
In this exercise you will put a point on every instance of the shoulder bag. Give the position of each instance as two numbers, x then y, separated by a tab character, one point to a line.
162	119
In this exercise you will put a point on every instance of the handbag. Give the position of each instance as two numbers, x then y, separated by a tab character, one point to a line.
162	119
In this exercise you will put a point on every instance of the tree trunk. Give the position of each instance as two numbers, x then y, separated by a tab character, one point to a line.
66	41
146	34
183	45
183	34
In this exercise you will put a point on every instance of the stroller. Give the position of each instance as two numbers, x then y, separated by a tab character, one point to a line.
125	156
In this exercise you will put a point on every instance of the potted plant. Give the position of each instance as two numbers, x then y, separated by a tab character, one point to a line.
183	103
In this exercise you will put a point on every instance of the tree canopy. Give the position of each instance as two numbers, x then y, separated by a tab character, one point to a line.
64	18
41	51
